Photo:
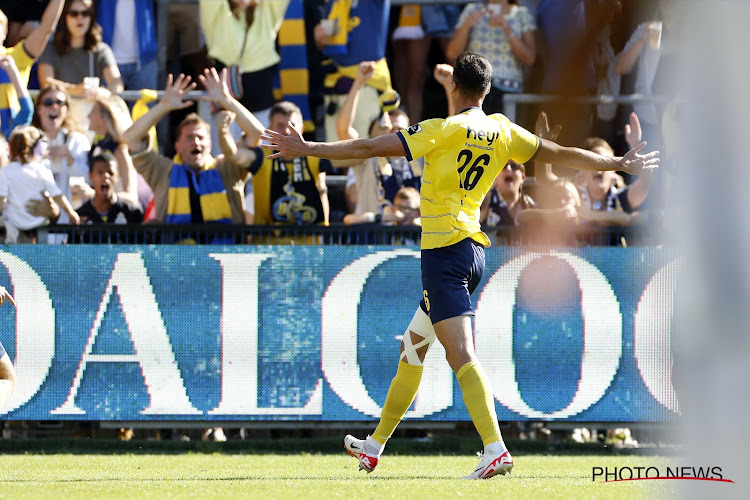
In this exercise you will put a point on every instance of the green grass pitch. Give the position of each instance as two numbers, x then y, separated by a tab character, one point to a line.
310	476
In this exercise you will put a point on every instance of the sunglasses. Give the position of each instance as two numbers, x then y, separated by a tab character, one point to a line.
50	102
79	13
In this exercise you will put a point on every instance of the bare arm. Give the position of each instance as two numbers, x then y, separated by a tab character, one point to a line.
9	65
113	78
345	120
626	59
294	145
241	157
323	190
443	73
218	92
543	171
37	39
127	174
460	38
523	47
68	209
581	159
174	94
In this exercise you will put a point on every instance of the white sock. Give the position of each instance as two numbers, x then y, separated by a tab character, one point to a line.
372	447
6	388
496	448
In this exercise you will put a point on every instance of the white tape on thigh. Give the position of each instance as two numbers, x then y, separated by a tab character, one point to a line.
422	326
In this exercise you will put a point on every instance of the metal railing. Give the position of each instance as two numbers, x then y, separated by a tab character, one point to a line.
336	234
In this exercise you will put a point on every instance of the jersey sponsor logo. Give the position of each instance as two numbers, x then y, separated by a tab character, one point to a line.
414	129
482	135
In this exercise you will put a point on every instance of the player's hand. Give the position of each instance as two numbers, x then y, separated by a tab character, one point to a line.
175	92
285	145
635	163
443	73
5	295
633	131
366	70
542	129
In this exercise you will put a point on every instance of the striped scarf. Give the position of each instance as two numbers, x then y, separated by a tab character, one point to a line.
292	83
211	190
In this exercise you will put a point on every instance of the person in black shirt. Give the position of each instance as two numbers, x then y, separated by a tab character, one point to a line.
106	207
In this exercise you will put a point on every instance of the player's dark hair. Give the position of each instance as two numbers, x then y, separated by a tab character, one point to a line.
473	75
104	157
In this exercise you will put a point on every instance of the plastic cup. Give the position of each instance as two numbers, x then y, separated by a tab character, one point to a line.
91	82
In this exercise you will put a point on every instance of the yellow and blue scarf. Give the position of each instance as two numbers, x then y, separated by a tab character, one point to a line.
292	83
211	190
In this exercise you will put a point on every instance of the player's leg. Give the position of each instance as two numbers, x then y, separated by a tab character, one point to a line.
456	336
417	339
7	376
448	294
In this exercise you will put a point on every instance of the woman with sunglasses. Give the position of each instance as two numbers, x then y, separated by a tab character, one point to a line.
68	148
78	57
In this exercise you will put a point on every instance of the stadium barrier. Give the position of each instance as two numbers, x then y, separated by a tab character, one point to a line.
240	333
339	234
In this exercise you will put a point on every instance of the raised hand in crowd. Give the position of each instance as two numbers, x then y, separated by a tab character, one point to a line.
176	92
633	131
543	171
443	73
217	91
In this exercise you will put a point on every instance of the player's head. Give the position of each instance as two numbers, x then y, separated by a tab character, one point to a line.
472	75
598	179
193	142
103	174
283	115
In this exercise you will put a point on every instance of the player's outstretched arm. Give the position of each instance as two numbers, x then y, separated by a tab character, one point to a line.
632	162
352	149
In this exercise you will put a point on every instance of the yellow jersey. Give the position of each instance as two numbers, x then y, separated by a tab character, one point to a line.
8	97
462	156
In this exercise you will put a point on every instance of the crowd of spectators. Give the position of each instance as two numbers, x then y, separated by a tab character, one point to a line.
331	69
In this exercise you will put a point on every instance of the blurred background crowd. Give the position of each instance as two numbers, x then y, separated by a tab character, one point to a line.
108	138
